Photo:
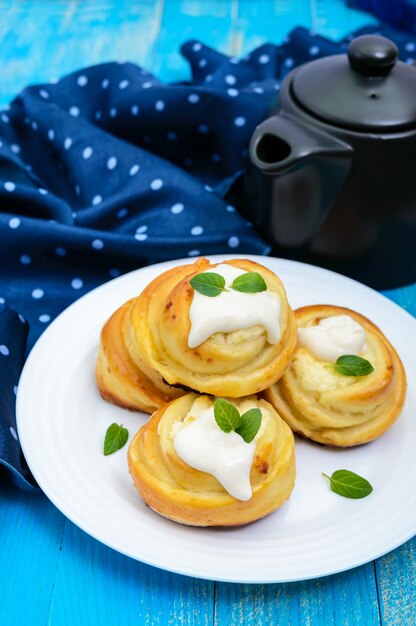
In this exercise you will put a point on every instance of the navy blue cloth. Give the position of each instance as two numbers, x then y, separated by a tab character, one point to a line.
400	14
109	169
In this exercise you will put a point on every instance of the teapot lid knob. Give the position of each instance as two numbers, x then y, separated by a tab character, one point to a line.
372	55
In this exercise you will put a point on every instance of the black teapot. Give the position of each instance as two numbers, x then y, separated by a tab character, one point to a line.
332	178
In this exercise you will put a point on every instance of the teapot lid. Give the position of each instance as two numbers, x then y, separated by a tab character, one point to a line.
366	90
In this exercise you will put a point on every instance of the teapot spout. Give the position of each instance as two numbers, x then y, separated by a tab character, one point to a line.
280	143
297	176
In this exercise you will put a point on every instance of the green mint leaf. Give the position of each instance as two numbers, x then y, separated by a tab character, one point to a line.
251	282
226	415
352	365
115	438
348	484
249	425
209	284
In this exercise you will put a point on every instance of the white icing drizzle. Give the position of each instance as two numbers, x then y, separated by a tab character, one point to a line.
233	310
226	456
333	337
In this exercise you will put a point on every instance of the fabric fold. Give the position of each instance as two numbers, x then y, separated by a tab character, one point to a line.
13	334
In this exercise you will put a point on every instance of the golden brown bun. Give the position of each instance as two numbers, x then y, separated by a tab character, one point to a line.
121	373
177	491
233	364
334	409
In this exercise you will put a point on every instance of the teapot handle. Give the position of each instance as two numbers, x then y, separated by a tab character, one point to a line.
280	143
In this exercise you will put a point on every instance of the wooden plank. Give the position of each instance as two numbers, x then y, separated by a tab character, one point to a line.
260	22
271	21
43	41
31	530
96	585
345	599
209	21
404	297
40	41
335	19
397	585
396	571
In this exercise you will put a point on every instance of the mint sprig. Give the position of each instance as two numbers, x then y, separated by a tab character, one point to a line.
249	424
209	284
251	282
352	365
226	415
115	438
212	284
228	418
349	484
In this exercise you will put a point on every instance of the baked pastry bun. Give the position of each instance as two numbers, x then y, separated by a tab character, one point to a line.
178	491
122	376
329	407
234	344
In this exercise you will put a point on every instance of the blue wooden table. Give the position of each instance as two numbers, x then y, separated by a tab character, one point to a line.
50	571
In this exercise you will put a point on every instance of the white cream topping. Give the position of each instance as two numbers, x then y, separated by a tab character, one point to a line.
233	310
333	337
226	456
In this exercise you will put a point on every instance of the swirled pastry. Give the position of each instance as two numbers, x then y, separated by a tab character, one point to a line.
260	474
122	375
326	406
233	345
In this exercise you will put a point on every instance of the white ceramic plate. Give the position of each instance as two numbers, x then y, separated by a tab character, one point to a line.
62	421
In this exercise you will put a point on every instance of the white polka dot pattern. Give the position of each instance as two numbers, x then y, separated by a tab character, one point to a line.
156	184
77	283
264	58
111	163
